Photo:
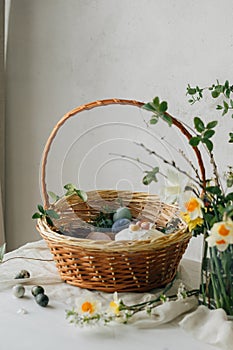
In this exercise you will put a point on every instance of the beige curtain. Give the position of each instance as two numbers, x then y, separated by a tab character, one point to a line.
2	120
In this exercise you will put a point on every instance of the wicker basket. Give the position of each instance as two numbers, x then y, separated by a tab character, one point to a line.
112	265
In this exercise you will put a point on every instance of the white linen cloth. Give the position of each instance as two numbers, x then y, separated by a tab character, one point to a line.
208	326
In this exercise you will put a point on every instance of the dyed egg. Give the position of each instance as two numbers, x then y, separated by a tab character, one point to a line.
145	225
42	299
120	224
22	274
37	290
122	213
127	234
18	291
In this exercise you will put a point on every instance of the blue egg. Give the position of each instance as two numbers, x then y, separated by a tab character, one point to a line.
120	224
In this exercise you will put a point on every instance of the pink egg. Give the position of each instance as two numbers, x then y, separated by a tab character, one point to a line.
145	225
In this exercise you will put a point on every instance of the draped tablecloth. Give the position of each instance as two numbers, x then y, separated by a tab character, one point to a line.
173	325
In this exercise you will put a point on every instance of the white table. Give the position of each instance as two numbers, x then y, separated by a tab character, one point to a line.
47	328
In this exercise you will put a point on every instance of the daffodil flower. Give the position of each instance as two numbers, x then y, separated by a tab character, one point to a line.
221	235
114	305
175	186
192	224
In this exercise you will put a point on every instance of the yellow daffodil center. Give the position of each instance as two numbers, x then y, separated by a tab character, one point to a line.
114	307
88	307
223	231
192	205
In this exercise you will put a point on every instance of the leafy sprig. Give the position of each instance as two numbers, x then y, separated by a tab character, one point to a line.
71	189
216	90
48	214
204	133
159	111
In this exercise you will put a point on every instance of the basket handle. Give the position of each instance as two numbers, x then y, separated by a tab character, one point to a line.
100	103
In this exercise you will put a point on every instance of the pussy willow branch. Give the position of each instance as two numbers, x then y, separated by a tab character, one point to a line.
138	161
181	152
215	170
173	164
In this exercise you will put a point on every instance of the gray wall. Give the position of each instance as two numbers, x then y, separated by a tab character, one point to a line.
63	53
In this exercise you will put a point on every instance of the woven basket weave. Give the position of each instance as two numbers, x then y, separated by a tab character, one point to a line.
112	265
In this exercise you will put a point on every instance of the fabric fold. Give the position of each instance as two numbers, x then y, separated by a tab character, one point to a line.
209	326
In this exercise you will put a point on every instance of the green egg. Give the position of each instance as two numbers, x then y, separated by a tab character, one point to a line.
42	299
122	213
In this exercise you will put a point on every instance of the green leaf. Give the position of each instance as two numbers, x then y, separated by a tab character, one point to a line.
41	209
167	119
209	144
214	190
209	133
229	210
212	124
199	125
150	176
191	91
215	93
52	214
194	141
82	195
163	107
149	107
156	101
69	187
231	102
226	84
36	216
229	197
154	119
226	107
49	221
2	251
54	196
219	107
231	137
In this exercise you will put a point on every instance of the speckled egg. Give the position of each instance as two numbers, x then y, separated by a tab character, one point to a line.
42	299
18	291
22	274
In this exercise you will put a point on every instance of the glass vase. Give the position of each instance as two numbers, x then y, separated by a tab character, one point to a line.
216	289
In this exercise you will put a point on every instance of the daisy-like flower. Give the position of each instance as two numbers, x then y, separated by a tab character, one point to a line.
221	235
88	306
175	186
114	305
